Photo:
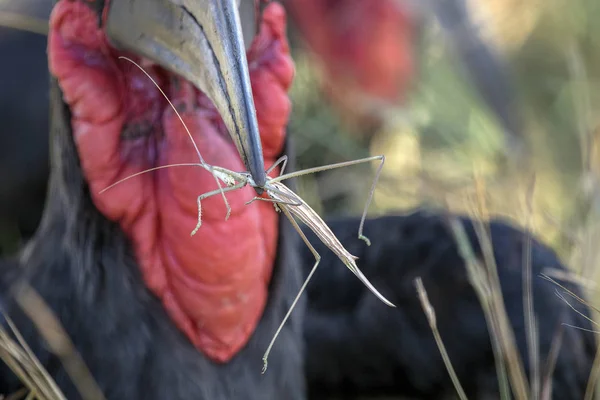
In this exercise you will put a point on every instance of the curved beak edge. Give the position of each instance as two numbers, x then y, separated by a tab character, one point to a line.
202	41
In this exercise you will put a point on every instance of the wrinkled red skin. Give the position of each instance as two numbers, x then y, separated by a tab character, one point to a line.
366	47
214	284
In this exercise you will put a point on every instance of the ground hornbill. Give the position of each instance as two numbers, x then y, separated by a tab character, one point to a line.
154	312
157	314
355	347
369	55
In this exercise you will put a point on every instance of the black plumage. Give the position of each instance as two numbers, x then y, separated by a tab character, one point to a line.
357	346
24	134
84	268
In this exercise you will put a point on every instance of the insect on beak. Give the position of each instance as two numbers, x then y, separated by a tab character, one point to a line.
202	41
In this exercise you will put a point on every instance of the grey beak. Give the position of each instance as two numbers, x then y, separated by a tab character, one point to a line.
201	40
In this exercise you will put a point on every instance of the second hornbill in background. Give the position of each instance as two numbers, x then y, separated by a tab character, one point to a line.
368	52
355	348
157	314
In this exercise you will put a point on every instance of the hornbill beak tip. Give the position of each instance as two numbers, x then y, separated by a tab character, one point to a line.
202	41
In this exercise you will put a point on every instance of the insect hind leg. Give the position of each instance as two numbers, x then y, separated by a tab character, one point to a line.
302	288
308	171
282	159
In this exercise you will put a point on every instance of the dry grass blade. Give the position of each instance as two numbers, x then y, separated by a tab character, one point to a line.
546	384
503	331
17	355
59	342
571	277
594	331
594	375
478	278
528	309
430	314
486	283
22	393
570	293
563	298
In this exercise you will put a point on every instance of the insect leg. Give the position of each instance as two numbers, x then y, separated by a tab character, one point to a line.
282	159
213	193
368	203
302	288
203	163
342	165
147	171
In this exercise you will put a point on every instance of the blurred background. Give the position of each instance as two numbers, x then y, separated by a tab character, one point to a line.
467	99
416	101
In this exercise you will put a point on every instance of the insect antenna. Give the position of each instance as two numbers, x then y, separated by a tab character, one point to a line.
202	163
146	171
282	197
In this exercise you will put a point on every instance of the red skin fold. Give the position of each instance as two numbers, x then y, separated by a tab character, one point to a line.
365	49
214	284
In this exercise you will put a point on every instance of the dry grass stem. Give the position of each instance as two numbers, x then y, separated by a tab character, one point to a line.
17	355
503	331
59	342
528	308
477	278
570	293
571	277
546	384
594	375
486	283
430	314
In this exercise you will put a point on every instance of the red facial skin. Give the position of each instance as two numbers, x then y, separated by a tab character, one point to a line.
214	284
365	47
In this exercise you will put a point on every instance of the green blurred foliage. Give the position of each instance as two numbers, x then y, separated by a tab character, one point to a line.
555	65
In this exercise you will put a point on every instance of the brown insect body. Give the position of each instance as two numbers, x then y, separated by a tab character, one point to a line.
310	218
285	200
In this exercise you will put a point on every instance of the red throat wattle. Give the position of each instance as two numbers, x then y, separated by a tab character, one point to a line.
214	284
366	47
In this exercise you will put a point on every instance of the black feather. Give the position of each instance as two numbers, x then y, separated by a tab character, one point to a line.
83	267
357	346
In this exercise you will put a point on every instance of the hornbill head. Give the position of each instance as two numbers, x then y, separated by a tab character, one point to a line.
115	123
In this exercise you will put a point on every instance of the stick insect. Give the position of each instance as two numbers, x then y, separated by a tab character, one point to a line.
284	201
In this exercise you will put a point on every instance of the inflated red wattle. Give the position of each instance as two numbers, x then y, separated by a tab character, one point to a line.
213	285
365	46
